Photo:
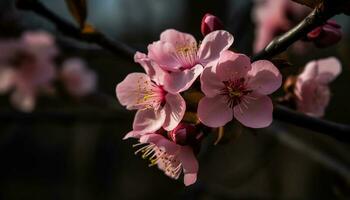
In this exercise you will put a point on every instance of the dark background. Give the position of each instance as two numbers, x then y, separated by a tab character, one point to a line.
73	149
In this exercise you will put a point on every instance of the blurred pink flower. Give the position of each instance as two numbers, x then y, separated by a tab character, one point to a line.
146	92
170	157
235	87
27	67
210	23
77	78
179	54
311	89
326	35
273	17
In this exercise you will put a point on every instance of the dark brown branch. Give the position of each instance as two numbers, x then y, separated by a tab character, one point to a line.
316	18
338	131
118	48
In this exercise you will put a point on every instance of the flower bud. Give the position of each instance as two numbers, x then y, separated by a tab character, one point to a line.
210	23
186	134
326	35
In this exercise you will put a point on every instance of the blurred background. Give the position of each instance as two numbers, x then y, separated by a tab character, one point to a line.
73	149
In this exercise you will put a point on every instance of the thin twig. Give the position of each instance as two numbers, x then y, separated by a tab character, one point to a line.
316	18
118	48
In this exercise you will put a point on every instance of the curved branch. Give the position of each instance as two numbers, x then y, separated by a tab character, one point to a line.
316	18
118	48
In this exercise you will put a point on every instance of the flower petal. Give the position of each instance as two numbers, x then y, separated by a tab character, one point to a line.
164	53
189	165
149	120
310	71
177	38
7	77
255	114
128	91
152	69
213	44
214	112
265	78
175	108
133	134
176	82
328	69
23	100
232	66
210	83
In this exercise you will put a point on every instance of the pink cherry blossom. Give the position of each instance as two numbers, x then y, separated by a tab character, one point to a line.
312	90
326	35
171	158
183	59
27	67
156	106
77	78
210	23
273	17
236	88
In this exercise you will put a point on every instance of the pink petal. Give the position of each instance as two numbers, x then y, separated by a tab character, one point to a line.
265	78
149	120
328	69
7	78
176	82
168	146
214	112
175	108
310	72
164	53
177	38
152	69
213	44
210	83
189	165
190	178
23	100
133	134
232	66
257	113
128	91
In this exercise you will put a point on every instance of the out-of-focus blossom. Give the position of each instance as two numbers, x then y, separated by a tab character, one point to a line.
312	90
156	106
183	59
27	67
326	35
77	78
210	23
273	17
235	87
170	157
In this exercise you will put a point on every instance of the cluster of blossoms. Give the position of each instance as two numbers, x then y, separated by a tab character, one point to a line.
27	69
231	84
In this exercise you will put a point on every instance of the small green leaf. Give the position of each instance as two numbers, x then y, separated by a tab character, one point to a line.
78	10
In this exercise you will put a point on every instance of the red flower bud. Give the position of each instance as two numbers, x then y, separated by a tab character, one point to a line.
186	134
210	23
326	35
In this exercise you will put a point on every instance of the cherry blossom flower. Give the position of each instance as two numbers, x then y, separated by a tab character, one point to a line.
179	54
156	106
273	17
326	35
312	90
77	78
210	23
170	157
27	68
235	87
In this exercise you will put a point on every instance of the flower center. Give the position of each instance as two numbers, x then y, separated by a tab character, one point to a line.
234	91
157	156
187	55
149	94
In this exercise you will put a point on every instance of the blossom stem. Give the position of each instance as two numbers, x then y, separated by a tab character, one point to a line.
317	17
116	47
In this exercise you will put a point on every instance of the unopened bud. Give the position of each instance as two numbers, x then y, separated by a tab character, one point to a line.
186	134
326	35
210	23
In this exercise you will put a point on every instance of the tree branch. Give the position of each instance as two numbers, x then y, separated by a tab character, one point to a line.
338	131
316	18
118	48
